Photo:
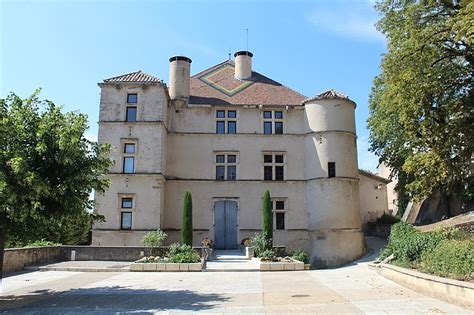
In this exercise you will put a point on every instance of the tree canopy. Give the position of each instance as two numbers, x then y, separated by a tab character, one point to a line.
421	104
48	169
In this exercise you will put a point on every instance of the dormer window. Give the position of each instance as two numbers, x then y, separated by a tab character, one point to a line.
132	98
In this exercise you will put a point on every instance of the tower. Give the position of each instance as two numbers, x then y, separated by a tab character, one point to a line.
332	188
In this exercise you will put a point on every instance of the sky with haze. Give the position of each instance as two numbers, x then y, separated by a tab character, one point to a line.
67	47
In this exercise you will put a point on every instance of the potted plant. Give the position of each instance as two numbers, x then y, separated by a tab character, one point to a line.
207	250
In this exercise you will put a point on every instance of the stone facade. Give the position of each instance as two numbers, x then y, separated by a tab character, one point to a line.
177	146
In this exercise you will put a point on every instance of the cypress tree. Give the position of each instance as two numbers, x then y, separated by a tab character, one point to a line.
187	220
267	222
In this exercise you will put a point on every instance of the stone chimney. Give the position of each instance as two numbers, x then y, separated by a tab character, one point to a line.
180	75
243	65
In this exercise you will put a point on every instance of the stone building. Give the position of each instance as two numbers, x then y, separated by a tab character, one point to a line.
227	134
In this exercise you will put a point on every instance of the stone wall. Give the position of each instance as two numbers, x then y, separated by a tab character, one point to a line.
16	259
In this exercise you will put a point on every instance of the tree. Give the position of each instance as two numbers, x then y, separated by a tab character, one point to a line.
421	105
267	222
187	220
48	169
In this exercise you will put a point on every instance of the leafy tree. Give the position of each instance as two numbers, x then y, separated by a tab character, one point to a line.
421	105
267	222
187	221
47	170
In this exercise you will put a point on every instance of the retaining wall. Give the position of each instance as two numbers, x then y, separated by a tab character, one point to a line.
449	290
16	259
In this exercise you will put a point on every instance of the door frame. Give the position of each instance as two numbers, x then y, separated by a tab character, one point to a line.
216	199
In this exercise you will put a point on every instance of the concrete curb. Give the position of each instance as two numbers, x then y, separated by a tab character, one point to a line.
449	290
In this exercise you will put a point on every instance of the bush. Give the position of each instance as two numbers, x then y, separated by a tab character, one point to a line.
182	253
260	243
452	258
388	219
451	233
41	243
300	255
407	243
153	240
268	253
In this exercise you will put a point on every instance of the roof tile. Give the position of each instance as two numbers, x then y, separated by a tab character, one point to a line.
135	77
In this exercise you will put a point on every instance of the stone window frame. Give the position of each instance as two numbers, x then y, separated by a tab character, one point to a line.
273	164
284	210
120	210
124	155
225	164
226	120
135	105
134	93
272	120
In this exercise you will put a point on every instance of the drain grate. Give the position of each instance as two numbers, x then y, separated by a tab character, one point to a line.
300	295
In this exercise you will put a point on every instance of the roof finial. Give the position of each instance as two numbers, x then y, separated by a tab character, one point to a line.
247	39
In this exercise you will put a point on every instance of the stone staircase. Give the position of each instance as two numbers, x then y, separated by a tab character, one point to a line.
231	260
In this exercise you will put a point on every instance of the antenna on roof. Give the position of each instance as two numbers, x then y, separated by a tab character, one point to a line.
247	39
229	52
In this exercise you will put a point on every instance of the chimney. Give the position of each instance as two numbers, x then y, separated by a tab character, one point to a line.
180	72
243	65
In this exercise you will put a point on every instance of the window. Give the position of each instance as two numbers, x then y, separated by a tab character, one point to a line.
273	122
129	164
226	121
279	209
126	220
274	166
127	203
132	98
129	151
226	166
129	148
131	115
331	169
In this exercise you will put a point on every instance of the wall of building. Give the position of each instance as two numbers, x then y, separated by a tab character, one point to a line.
392	196
373	198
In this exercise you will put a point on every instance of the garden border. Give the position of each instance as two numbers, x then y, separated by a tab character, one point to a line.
449	290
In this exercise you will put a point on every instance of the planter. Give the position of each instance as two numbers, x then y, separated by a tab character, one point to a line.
207	253
287	265
249	252
166	267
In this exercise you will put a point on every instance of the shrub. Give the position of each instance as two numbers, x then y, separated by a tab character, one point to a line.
182	253
268	253
300	255
187	221
153	240
388	219
267	216
407	243
260	243
452	258
246	241
41	243
451	233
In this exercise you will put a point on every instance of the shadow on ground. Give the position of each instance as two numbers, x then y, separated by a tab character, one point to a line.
110	299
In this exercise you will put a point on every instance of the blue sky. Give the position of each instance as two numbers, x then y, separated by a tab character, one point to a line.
66	47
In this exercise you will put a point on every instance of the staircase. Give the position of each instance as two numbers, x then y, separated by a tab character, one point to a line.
231	260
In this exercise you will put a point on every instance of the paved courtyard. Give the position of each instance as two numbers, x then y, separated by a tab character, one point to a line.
352	289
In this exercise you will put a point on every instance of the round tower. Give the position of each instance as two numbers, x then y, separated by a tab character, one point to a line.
332	181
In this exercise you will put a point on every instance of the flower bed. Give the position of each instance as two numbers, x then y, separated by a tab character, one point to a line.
280	264
165	265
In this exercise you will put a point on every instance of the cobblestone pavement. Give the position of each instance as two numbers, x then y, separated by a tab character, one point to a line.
353	289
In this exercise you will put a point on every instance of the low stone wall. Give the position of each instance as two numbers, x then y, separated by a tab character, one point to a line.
15	259
451	291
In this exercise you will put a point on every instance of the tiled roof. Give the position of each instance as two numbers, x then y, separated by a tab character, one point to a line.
328	95
218	86
134	77
374	176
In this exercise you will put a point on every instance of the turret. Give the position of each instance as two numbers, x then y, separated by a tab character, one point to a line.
332	192
179	81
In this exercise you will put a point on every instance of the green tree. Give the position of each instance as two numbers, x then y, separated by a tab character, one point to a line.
267	215
187	220
421	105
48	169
